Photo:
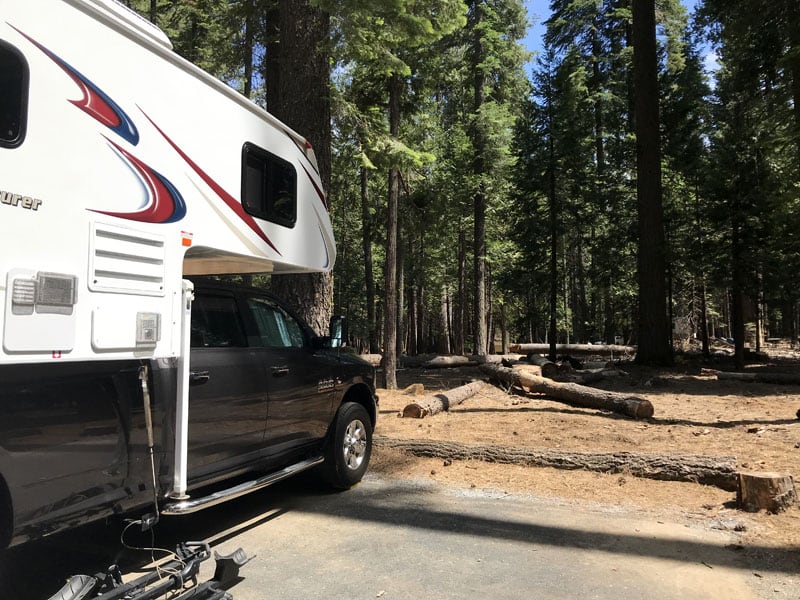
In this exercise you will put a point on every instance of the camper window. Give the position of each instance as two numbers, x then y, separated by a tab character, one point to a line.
269	186
13	99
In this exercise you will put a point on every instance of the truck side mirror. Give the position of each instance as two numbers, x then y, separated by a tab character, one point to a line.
338	331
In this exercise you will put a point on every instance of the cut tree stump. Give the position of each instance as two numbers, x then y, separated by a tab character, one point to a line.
773	492
573	393
430	405
719	471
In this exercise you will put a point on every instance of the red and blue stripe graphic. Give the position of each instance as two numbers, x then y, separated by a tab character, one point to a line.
165	203
95	102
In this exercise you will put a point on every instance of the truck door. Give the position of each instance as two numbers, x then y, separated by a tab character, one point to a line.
300	382
227	394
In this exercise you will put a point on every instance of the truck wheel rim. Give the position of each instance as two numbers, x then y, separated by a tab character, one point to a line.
355	444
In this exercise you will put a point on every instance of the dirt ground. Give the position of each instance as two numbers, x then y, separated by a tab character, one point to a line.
694	414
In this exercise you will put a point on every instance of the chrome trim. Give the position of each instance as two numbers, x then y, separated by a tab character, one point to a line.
185	507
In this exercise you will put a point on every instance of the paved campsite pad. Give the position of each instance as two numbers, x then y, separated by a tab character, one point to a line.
399	539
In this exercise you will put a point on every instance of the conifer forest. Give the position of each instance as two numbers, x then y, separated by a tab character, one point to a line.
635	181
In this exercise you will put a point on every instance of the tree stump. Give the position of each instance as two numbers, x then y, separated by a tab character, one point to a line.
773	492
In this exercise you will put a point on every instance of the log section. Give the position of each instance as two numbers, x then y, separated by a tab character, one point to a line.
719	471
773	492
573	393
431	405
572	349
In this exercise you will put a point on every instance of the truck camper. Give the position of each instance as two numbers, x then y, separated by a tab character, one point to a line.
128	379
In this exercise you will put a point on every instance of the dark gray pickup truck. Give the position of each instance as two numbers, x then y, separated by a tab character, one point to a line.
267	399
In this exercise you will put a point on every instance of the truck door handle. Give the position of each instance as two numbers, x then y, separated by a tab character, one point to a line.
198	377
280	371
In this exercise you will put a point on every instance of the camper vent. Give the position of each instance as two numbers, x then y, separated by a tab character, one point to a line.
126	261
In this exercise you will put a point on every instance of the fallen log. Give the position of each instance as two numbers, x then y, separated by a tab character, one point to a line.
496	358
781	378
410	362
773	492
572	349
430	405
441	362
719	471
547	367
574	393
373	359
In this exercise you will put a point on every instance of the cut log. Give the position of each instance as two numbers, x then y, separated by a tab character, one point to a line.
781	378
430	405
773	492
410	362
440	362
415	389
719	471
548	367
496	358
572	349
573	393
528	369
373	359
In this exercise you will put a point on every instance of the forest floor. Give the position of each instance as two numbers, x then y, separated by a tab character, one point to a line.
695	413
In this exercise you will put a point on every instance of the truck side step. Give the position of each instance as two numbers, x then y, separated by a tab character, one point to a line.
185	507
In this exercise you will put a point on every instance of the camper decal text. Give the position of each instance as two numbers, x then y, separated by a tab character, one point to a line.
12	199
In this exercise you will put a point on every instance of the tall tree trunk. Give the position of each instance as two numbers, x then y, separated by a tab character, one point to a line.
479	168
369	278
402	320
390	271
704	317
301	99
653	342
249	42
461	299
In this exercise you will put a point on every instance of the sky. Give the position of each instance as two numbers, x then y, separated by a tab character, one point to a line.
539	11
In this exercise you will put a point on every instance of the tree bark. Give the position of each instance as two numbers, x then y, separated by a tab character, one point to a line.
437	403
573	393
719	471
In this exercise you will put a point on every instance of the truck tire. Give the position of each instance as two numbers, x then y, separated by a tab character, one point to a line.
349	447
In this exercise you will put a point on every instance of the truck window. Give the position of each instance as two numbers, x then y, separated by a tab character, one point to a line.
269	186
216	323
276	328
14	96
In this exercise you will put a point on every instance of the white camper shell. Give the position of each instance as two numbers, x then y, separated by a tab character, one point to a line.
124	168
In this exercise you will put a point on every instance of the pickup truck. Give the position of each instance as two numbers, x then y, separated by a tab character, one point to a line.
267	399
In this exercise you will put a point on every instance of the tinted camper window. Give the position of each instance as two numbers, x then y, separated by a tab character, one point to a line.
13	97
269	186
